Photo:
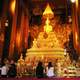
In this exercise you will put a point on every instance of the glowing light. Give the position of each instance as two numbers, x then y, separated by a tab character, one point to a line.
73	1
77	3
65	52
6	23
76	37
18	39
47	27
48	11
13	3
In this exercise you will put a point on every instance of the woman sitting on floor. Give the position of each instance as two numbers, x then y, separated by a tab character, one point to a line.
50	70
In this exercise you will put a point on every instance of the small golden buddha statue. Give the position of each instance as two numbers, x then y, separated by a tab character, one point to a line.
21	60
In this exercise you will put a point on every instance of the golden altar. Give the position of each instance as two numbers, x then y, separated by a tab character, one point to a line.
48	45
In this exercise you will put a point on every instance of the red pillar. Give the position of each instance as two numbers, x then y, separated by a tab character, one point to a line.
13	32
78	16
24	30
75	25
19	34
2	25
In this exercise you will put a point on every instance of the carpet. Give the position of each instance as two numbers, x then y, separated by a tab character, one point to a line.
34	78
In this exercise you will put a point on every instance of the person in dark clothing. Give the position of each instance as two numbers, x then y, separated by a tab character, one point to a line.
40	70
12	70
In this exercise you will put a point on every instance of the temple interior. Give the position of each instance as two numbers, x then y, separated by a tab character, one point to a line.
41	30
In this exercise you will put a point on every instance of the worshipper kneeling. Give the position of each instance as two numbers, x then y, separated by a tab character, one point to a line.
50	70
5	68
12	70
40	70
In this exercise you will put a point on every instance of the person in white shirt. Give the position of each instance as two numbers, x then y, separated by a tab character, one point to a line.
5	68
50	70
4	71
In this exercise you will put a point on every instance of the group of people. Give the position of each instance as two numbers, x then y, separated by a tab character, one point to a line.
42	72
8	69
